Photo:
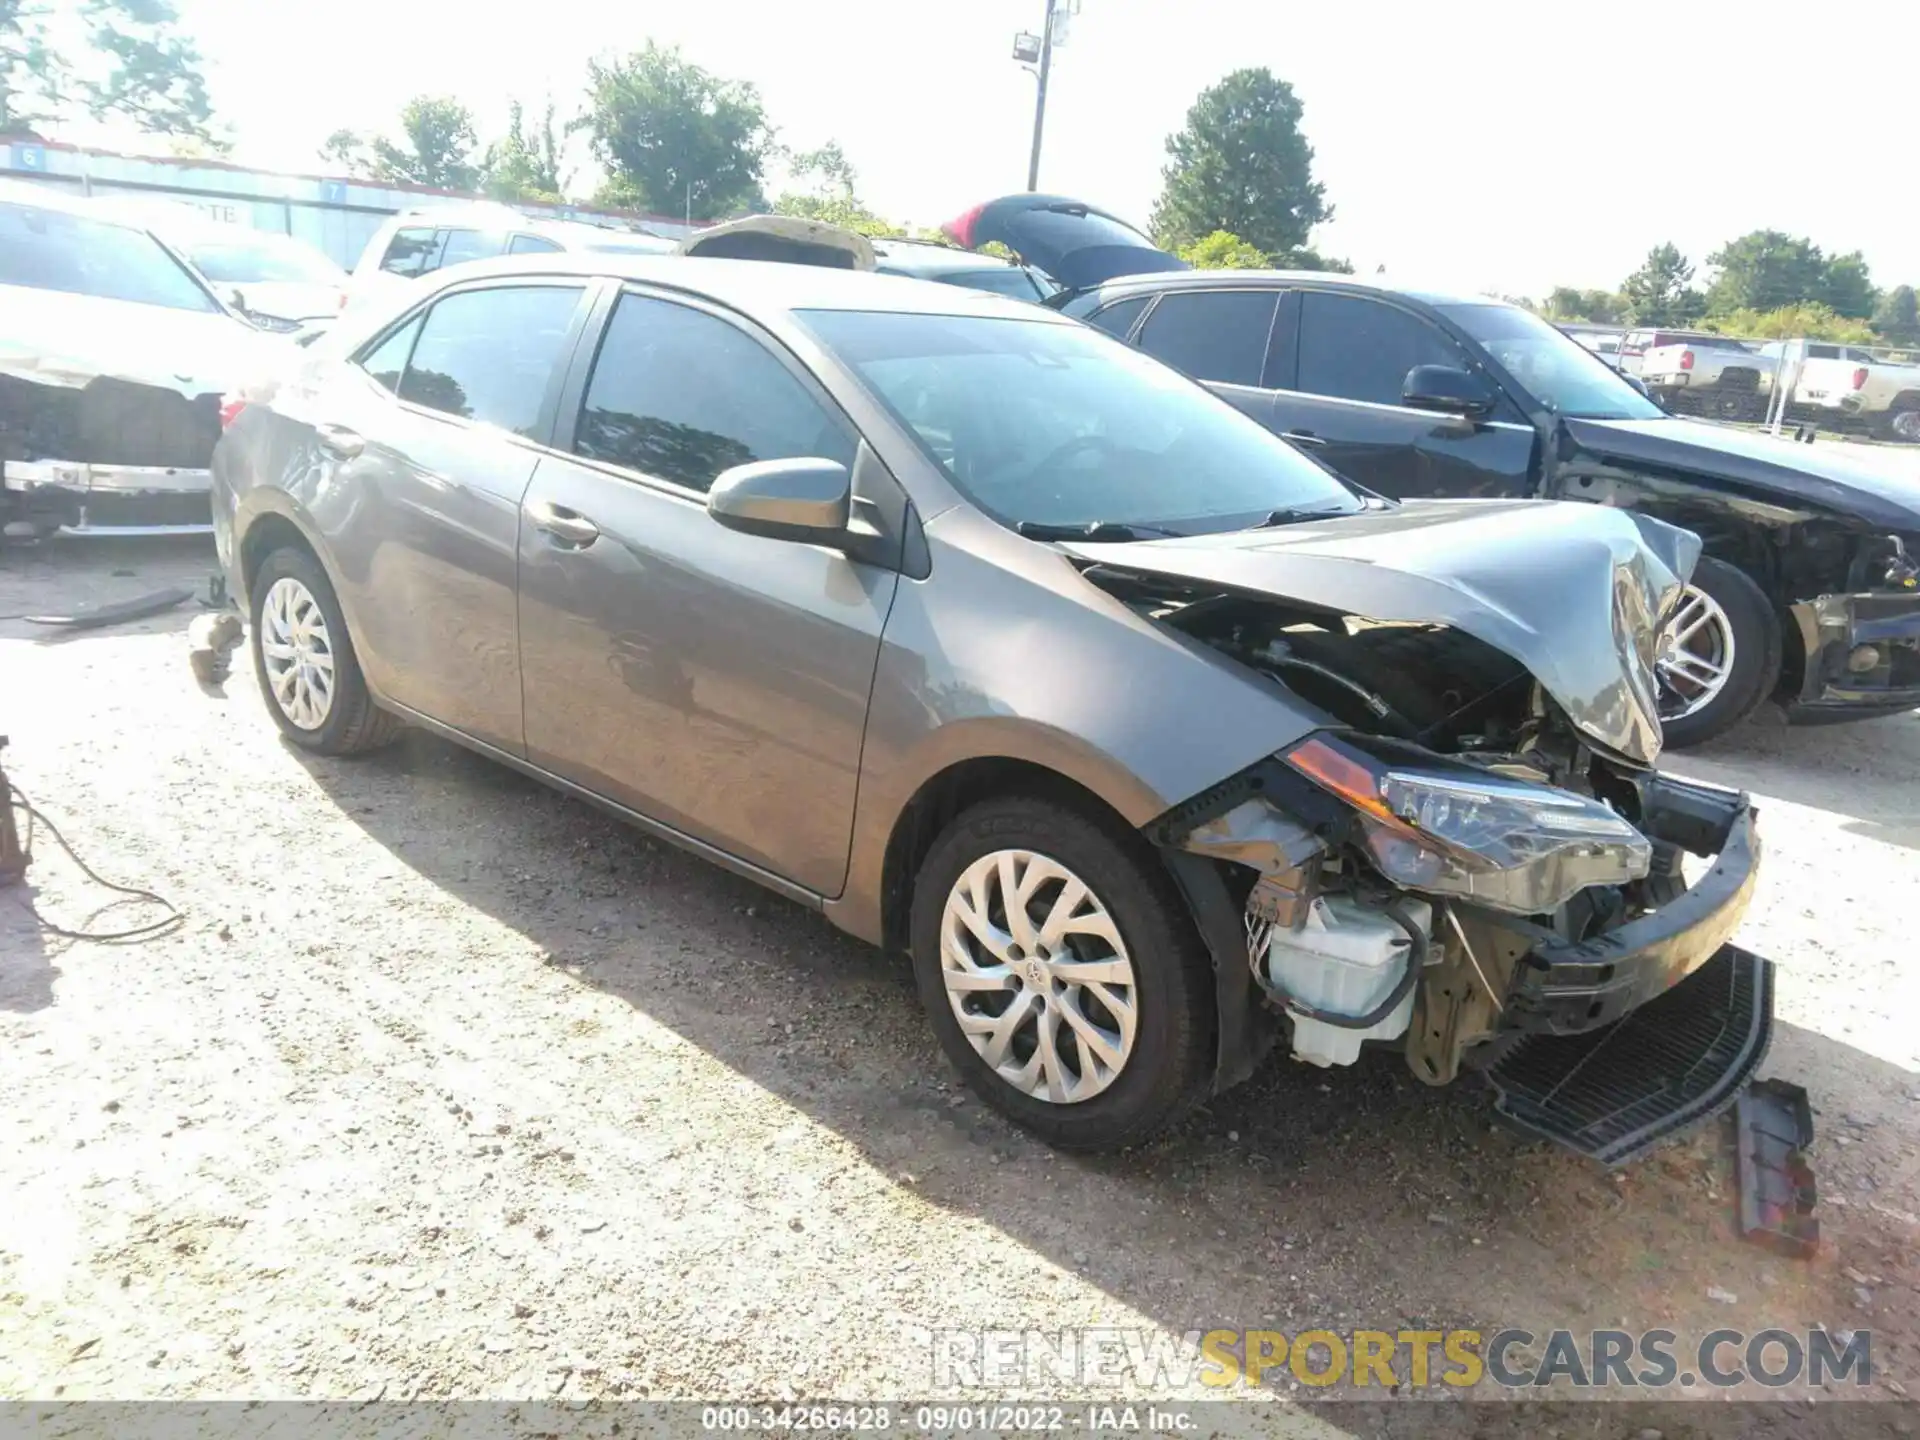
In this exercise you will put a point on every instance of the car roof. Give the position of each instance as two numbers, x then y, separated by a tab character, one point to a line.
1160	280
759	286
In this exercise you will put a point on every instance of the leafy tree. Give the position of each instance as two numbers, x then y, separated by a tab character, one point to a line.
123	59
1307	258
1766	270
1809	319
1241	165
1661	291
1223	251
827	192
436	148
1598	307
1848	288
673	137
525	163
1897	317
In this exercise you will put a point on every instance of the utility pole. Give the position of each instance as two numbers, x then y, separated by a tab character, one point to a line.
1040	99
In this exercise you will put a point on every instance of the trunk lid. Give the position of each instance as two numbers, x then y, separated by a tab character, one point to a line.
784	238
1575	593
1079	245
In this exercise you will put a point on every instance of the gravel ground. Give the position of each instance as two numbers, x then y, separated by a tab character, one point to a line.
450	1087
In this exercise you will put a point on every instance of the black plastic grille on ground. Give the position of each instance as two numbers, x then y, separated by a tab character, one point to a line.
1617	1091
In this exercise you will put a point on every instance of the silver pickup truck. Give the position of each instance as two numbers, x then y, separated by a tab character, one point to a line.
1710	375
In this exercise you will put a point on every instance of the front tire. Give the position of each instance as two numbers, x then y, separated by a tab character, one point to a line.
304	659
1719	655
1062	973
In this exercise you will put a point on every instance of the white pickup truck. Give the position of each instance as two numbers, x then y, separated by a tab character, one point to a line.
1847	382
1710	375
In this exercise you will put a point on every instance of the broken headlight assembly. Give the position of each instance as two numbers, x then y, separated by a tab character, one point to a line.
1452	829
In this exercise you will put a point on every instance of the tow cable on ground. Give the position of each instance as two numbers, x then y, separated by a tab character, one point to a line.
16	853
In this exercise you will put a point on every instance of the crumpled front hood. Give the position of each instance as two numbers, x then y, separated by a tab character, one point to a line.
1878	487
1573	592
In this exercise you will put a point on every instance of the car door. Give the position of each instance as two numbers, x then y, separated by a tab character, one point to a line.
1216	336
1340	366
425	444
713	681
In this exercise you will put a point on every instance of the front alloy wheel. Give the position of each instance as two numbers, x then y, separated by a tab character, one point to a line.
1718	655
1038	976
1696	656
1062	972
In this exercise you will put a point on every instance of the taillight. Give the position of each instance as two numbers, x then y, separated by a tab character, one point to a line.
961	231
230	408
1686	359
1860	378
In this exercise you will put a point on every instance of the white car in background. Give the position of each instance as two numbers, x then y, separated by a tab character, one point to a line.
277	281
114	359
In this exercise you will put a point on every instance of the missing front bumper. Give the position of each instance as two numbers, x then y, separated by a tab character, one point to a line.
1614	1093
1862	654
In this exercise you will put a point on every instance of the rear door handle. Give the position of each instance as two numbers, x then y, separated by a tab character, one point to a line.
567	526
1302	437
339	440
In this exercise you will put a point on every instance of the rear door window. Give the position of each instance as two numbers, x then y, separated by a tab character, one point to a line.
412	252
1353	347
1218	335
471	245
682	395
492	355
1118	319
532	245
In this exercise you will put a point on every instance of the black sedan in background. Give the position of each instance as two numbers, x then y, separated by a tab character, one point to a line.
1810	588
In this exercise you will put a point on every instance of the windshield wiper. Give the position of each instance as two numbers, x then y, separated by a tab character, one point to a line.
1294	517
1092	530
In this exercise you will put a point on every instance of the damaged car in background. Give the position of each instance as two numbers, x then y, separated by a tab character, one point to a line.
114	356
1808	593
1154	743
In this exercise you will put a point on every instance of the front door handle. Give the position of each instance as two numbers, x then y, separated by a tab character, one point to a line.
1302	437
339	440
569	527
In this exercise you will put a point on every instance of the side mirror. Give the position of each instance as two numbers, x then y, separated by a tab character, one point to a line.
806	500
1447	390
237	298
1636	382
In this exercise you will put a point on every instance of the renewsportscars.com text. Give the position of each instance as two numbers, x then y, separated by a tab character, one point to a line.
1017	1360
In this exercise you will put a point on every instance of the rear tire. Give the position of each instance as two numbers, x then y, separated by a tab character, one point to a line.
1902	424
1746	623
1165	1040
304	659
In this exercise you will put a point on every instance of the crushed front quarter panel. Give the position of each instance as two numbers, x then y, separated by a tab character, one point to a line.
1573	592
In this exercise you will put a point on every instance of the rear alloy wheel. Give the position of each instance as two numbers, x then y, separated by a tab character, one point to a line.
1718	657
1062	973
1904	425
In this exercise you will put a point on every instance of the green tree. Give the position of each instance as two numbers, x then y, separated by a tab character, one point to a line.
524	164
673	137
436	147
1765	270
1661	291
1598	307
1223	251
1897	316
1306	257
111	59
1241	165
1848	288
826	190
1809	319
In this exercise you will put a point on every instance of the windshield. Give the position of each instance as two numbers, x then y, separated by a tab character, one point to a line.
1059	425
52	250
254	259
1013	281
1565	377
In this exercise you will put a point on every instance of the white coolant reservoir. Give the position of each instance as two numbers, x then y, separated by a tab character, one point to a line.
1346	959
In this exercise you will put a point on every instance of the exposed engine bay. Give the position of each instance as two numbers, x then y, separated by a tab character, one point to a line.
1451	867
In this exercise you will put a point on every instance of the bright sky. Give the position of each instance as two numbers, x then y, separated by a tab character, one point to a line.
1502	146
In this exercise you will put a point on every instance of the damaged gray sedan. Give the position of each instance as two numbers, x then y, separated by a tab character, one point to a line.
1153	742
